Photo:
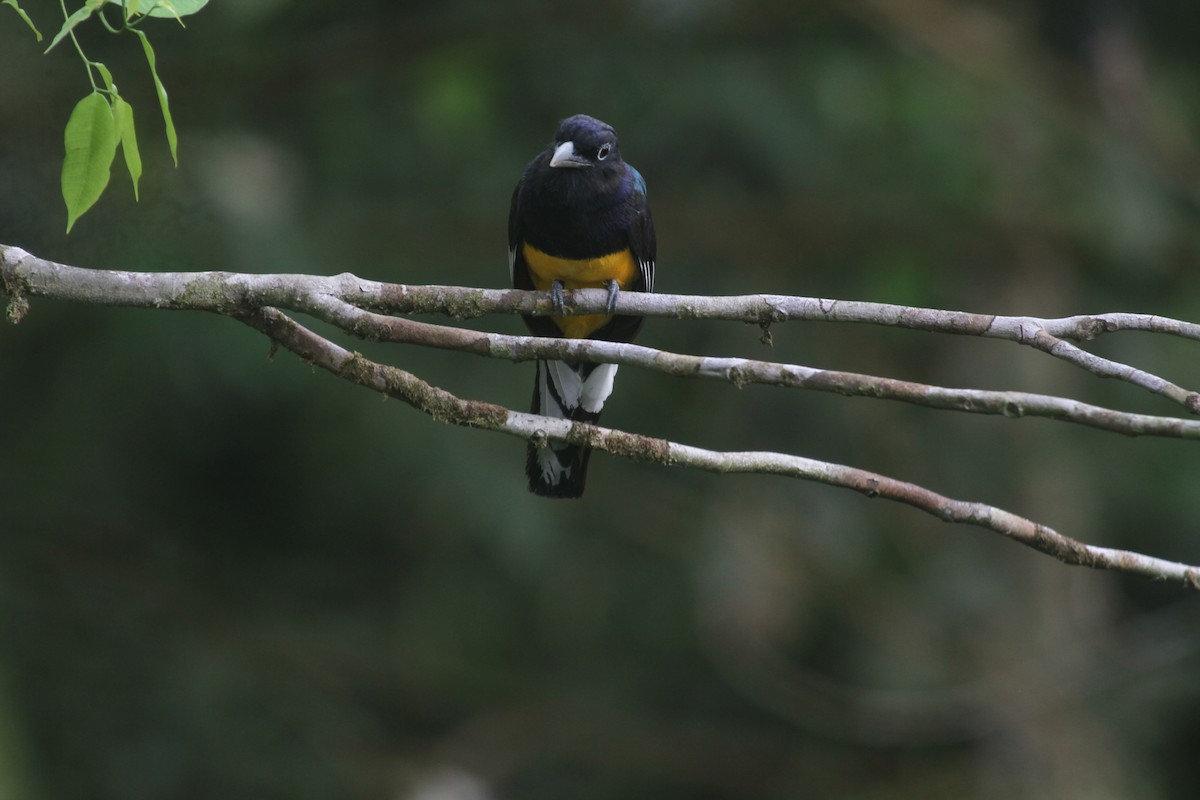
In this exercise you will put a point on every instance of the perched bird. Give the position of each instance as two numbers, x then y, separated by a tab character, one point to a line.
579	218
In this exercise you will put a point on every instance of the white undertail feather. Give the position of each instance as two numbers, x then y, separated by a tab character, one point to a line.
561	391
548	404
597	388
553	471
571	389
567	383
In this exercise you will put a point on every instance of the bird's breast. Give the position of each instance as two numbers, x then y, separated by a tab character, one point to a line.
580	273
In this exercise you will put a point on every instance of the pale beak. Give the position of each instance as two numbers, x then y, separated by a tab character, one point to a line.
564	156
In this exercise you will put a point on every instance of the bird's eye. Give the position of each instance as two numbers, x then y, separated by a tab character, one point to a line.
603	152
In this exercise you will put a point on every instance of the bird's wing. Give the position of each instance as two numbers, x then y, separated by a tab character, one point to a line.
514	235
641	231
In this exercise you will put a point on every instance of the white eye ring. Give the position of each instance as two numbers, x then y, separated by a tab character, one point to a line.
603	152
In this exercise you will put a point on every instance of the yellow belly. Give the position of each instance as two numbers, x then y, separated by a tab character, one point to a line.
580	273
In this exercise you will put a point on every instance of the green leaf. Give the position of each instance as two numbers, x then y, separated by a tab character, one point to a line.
170	9
25	17
71	21
91	144
106	75
172	140
123	113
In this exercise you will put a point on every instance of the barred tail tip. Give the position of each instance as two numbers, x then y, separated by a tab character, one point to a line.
557	472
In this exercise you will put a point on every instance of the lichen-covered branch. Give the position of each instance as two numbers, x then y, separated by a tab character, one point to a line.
743	371
355	305
446	407
25	275
343	299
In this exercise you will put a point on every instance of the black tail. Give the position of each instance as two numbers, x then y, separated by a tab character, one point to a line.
569	391
571	466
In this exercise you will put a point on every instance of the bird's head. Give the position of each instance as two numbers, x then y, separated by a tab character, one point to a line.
583	142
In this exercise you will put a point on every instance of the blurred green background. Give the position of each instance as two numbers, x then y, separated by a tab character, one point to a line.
223	575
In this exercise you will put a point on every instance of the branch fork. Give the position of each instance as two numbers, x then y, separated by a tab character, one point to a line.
366	309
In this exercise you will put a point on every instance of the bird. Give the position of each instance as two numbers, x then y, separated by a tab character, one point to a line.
579	218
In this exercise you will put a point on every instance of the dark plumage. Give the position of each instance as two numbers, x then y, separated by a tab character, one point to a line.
579	218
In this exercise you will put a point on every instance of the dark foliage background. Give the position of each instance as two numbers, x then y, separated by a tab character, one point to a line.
227	576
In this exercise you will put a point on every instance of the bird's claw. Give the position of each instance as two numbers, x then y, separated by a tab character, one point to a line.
556	298
614	289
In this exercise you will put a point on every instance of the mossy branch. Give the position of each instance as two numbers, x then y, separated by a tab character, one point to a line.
363	308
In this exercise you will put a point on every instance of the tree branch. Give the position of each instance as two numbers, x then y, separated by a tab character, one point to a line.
337	299
223	292
445	407
743	371
344	300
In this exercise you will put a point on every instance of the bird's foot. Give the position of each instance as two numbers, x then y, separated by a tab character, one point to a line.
614	289
556	298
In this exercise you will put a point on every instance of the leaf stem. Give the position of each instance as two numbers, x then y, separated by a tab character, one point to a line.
87	62
104	21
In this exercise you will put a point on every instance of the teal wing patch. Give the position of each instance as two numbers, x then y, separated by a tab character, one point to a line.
639	182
